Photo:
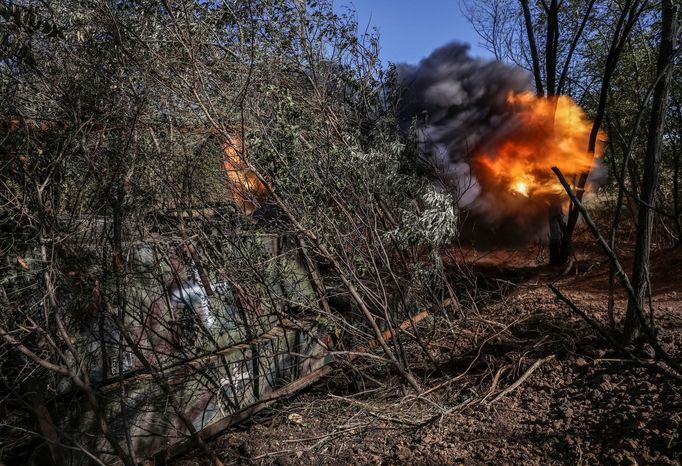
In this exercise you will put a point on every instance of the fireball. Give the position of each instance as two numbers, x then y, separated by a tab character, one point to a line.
246	188
541	133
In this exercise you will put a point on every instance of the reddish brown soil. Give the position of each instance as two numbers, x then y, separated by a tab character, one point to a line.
586	405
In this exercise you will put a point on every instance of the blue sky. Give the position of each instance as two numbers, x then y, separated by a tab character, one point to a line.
411	29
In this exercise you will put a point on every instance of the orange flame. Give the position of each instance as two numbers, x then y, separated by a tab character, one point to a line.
247	190
546	132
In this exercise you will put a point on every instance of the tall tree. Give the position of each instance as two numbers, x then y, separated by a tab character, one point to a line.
640	272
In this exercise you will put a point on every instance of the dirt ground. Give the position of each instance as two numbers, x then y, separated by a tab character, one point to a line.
582	403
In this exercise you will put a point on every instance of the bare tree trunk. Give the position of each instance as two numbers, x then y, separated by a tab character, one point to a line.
555	214
557	228
551	44
571	50
556	235
676	195
533	48
640	271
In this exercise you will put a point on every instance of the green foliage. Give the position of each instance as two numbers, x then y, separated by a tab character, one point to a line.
121	118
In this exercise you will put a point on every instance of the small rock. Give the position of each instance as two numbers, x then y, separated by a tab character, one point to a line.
581	362
295	418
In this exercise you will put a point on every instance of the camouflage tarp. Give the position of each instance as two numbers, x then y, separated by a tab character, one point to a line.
221	342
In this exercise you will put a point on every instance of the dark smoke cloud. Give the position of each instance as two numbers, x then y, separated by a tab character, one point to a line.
460	104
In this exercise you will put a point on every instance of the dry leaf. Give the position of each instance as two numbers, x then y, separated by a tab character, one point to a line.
22	262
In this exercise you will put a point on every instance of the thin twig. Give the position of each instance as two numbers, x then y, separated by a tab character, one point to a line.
523	378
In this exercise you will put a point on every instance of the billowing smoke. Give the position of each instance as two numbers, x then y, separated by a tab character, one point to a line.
465	119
